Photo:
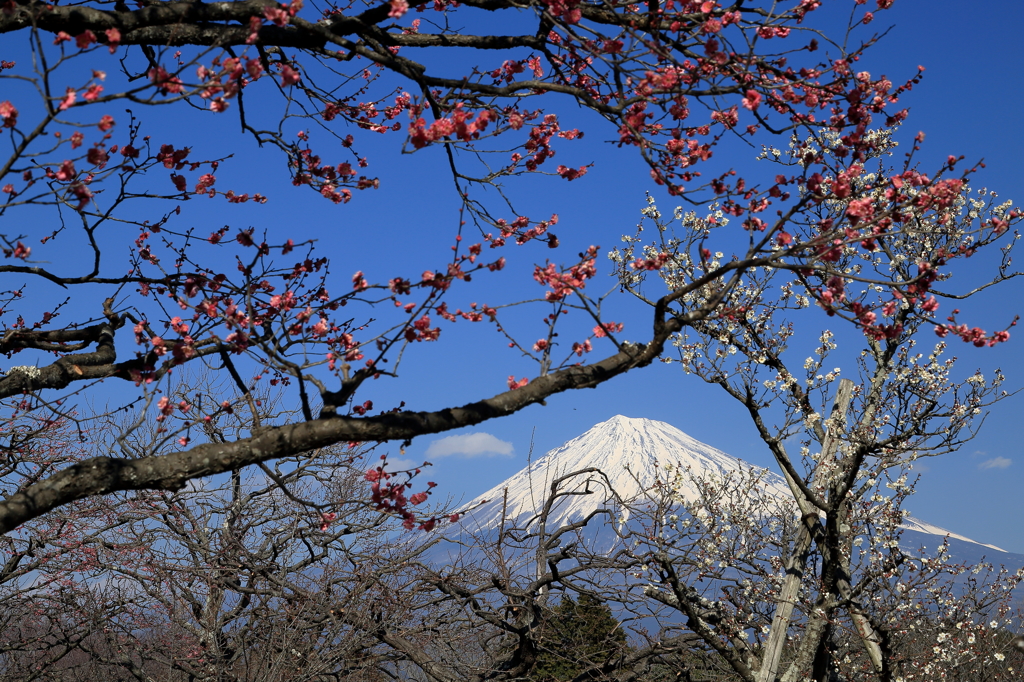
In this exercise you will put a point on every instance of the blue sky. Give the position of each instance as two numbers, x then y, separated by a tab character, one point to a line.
970	102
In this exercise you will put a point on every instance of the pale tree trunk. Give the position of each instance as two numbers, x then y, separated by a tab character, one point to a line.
801	548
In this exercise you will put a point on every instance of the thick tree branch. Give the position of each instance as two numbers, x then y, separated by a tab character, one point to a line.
103	475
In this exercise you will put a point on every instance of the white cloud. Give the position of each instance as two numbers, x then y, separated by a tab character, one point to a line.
996	463
469	445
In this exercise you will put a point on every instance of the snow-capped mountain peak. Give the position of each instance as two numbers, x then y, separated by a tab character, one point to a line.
630	454
623	458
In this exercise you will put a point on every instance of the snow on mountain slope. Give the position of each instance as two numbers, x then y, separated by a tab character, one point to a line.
922	527
629	454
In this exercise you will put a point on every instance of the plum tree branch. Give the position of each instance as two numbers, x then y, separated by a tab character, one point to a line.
101	475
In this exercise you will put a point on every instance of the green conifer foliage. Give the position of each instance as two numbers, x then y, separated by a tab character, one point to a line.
576	637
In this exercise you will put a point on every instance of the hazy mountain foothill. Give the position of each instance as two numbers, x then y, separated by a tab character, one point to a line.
619	470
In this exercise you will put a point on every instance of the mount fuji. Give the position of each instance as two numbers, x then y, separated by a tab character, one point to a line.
627	455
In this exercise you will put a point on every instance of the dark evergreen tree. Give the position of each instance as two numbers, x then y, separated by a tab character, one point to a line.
578	636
